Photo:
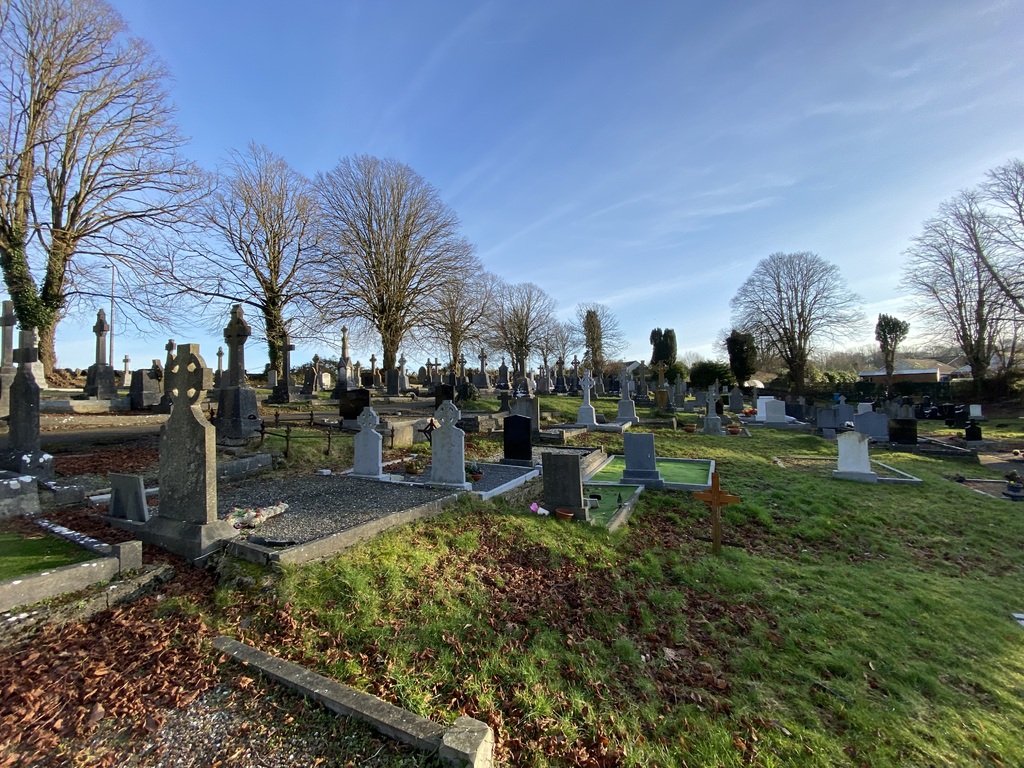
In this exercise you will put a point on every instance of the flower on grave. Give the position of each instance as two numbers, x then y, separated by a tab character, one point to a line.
1013	476
473	468
250	517
535	507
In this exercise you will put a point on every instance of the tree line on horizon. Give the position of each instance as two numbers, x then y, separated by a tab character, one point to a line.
94	176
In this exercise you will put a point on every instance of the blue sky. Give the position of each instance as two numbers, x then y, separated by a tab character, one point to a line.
643	155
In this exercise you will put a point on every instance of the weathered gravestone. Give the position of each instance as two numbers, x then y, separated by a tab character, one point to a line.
735	400
237	410
7	369
518	450
854	463
147	387
563	483
448	448
24	455
128	497
530	408
369	443
99	380
285	391
844	412
186	521
627	408
641	462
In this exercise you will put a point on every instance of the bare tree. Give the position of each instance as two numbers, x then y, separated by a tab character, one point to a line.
396	244
791	300
90	152
1004	195
265	227
565	339
953	289
524	314
456	315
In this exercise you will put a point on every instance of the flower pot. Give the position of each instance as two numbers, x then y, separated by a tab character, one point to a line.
689	427
564	513
414	471
732	429
477	477
1014	487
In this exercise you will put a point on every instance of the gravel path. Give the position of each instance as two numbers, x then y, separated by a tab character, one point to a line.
319	506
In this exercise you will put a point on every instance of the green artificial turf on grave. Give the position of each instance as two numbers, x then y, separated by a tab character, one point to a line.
20	555
693	472
609	504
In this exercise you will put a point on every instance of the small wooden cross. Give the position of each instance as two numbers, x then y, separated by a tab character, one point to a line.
716	498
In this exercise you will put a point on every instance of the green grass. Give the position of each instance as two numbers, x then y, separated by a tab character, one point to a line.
693	472
21	555
843	625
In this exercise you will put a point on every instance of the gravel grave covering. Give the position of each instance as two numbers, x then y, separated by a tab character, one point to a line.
319	506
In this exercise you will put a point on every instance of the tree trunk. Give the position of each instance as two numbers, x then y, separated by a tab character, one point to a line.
47	349
276	330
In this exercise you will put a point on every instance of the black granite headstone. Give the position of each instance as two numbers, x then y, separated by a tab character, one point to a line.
443	392
352	402
516	439
903	431
972	432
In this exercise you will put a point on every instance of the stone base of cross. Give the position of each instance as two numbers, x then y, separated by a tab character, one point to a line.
716	497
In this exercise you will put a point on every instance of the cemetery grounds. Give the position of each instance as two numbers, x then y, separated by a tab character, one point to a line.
844	624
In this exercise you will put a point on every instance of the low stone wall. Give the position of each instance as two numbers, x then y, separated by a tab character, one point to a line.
45	585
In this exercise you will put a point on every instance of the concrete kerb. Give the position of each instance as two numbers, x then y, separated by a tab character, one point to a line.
327	546
621	517
467	742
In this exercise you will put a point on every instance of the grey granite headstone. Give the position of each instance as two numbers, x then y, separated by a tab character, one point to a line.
448	448
128	497
735	400
641	463
146	389
873	424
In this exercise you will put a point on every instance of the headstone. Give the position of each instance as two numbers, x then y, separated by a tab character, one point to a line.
641	463
736	400
127	370
23	454
641	387
7	369
272	378
974	411
762	407
128	497
598	382
374	371
543	382
482	380
518	449
186	521
560	384
391	383
972	432
237	410
627	408
903	431
99	381
585	415
403	376
369	443
844	412
502	382
284	392
146	389
353	402
326	380
220	368
443	392
563	483
854	463
872	424
827	418
167	399
701	400
865	407
448	448
713	425
774	412
309	382
345	374
529	407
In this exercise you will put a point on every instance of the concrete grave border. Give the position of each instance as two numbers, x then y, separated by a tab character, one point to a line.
903	478
466	742
667	486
